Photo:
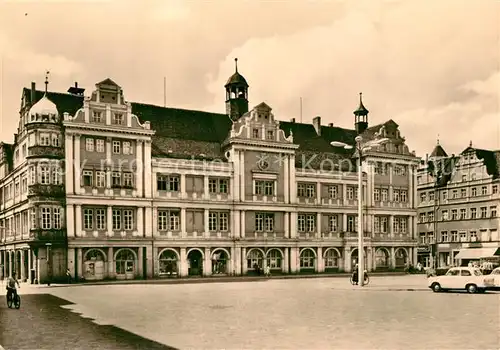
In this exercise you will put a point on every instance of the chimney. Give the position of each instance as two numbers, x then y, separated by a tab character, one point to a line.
426	158
33	92
317	125
330	125
292	120
75	90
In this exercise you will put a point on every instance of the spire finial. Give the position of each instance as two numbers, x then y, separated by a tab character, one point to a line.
46	80
236	64
438	139
360	97
470	143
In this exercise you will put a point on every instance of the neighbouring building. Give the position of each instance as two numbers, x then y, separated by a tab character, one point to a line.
114	189
458	203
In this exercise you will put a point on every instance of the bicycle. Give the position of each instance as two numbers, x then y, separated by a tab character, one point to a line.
14	300
355	282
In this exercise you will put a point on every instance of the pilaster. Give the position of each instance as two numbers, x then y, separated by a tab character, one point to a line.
242	224
242	176
108	114
70	220
140	222
79	262
23	267
318	193
235	188
235	224
393	258
286	261
243	260
206	193
148	227
287	224
206	223
77	165
183	186
318	225
69	163
109	219
294	259
320	266
140	262
86	112
286	168
293	180
293	225
183	263
391	227
139	168
147	169
111	263
78	221
207	266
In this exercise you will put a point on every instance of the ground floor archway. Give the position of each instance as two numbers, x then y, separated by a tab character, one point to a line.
274	259
94	265
168	263
332	260
307	260
125	264
195	262
255	260
382	259
220	262
401	258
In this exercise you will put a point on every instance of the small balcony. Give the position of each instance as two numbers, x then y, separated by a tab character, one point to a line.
41	236
46	191
45	152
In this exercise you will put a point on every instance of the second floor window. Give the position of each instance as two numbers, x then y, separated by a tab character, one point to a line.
493	212
473	213
484	190
96	117
473	192
264	222
168	183
332	192
218	185
454	214
118	118
376	195
264	188
306	222
87	178
445	215
89	144
169	220
484	211
100	179
99	145
463	214
352	223
116	147
218	221
333	223
306	190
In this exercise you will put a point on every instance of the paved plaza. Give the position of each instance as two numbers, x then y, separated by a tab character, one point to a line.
321	313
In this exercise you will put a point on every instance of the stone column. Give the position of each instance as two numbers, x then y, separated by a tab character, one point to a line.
393	258
108	114
369	258
347	259
242	177
79	262
391	226
30	265
140	168
237	260
318	193
207	268
183	263
183	222
140	262
293	180
293	226
69	164
286	168
320	261
318	225
147	170
244	261
76	164
148	228
235	188
242	224
78	221
206	224
23	267
70	220
140	222
71	261
109	218
286	261
287	224
414	250
183	186
111	263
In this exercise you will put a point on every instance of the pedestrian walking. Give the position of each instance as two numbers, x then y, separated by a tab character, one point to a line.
68	276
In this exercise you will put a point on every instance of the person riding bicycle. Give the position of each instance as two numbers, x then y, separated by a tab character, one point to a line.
11	286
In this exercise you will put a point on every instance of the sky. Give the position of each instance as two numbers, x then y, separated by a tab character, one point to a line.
431	66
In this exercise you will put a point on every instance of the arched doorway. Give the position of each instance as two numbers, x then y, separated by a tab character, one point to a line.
355	259
255	261
401	258
307	260
195	262
382	259
220	262
168	263
332	260
274	260
94	265
125	262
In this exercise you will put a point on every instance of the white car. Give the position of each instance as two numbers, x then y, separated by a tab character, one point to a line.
492	280
457	278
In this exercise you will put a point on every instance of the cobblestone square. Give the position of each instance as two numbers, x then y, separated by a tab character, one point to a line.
390	313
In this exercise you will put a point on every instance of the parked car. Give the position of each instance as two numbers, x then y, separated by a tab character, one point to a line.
492	281
459	278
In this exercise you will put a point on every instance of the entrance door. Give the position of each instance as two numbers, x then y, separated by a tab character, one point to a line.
195	260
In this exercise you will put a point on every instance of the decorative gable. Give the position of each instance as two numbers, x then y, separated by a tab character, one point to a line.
259	125
390	130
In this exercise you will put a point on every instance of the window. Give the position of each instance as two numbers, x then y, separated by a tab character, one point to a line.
454	214
473	236
384	224
56	175
463	192
255	133
463	214
430	215
44	140
473	192
99	145
445	195
127	180
376	224
117	219
116	147
306	190
494	189
127	149
118	118
473	177
400	170
385	195
89	144
493	212
473	213
352	223
376	195
218	221
403	225
100	219
169	220
463	236
167	183
116	179
100	178
333	223
264	188
445	215
464	178
128	219
46	222
270	135
55	140
455	194
484	211
332	192
218	185
403	195
454	236
87	178
422	197
96	117
431	196
396	195
264	222
484	190
306	222
351	193
88	219
422	217
44	175
57	218
395	225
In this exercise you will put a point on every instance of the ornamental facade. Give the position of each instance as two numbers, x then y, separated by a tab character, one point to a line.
114	189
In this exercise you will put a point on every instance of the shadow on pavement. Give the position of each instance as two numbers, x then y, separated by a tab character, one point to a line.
41	323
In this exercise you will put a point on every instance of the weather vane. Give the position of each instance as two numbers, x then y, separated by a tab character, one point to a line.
46	80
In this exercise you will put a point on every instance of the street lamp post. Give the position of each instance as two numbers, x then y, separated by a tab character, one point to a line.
49	266
359	162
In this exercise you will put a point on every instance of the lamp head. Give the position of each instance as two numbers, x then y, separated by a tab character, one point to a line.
358	139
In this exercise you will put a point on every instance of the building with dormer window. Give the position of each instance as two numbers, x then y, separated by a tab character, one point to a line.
458	207
157	192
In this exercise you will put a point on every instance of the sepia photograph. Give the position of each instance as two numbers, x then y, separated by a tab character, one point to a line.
236	174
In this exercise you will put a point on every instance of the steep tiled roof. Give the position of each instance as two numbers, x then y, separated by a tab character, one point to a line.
182	133
491	161
438	152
